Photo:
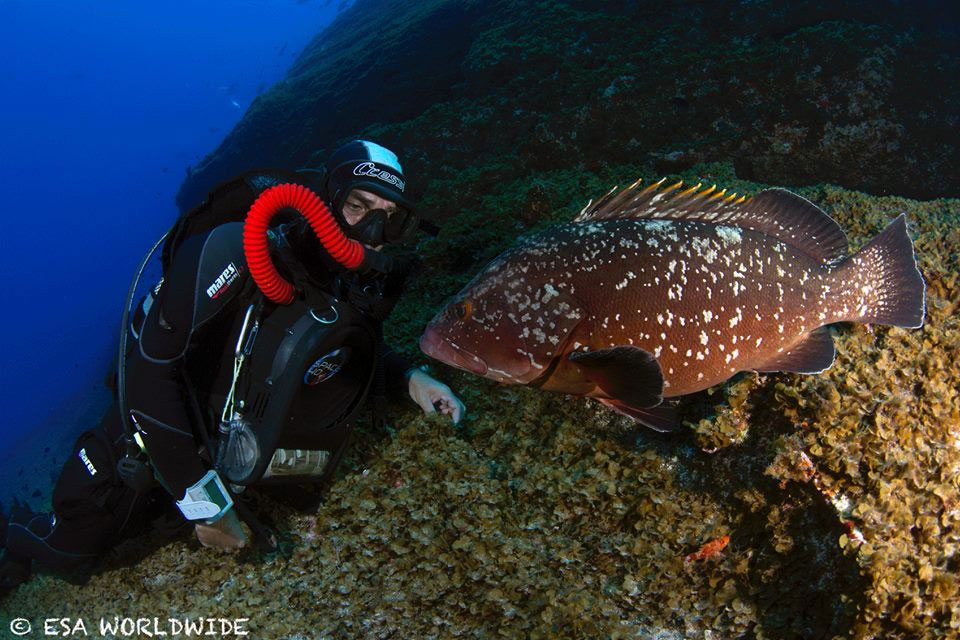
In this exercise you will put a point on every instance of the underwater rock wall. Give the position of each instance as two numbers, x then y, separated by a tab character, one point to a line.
860	94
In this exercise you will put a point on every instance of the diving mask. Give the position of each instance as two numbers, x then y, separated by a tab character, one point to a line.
378	227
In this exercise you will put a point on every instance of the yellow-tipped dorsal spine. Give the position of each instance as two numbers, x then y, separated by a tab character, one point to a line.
717	195
688	191
652	187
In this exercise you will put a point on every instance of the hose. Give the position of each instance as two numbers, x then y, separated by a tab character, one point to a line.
121	355
348	253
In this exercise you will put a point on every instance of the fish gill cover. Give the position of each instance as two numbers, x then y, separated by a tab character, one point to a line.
545	516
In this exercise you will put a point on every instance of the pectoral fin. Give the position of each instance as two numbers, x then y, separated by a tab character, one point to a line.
627	374
662	417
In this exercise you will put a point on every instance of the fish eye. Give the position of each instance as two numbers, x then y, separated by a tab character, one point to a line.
464	309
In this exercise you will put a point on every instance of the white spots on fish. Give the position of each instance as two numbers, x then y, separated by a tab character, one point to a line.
657	350
703	338
707	315
549	292
705	249
737	318
729	235
663	227
759	340
623	283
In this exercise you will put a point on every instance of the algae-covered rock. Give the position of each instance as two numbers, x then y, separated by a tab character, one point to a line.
845	92
547	516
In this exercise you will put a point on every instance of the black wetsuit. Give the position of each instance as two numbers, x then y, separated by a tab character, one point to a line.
193	322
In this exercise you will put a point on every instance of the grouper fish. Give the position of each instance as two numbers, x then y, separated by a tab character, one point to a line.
651	294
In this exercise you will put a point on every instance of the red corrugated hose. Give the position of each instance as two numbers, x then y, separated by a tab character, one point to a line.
349	253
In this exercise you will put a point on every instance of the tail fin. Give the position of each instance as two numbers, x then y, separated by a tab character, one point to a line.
882	283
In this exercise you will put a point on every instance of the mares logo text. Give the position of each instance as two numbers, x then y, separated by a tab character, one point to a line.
223	281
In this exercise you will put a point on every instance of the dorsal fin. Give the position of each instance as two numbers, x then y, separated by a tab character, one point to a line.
786	216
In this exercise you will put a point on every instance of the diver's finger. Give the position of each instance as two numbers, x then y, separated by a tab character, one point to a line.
457	411
427	405
453	408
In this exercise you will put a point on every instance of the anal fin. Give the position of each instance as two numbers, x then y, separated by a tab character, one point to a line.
813	354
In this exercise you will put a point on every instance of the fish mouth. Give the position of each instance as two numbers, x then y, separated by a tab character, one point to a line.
433	345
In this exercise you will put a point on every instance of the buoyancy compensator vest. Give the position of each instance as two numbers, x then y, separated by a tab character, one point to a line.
300	372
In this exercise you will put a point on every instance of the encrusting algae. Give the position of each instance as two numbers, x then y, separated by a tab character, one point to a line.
542	516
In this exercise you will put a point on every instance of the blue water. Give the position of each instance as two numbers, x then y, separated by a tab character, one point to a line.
104	106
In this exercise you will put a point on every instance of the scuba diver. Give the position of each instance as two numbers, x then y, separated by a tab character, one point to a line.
248	363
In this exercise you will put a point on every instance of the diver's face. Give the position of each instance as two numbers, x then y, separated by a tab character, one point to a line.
360	202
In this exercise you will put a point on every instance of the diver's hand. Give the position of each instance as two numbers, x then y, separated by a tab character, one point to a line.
428	392
226	533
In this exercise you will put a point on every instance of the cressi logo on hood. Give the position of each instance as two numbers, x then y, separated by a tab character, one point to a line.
371	169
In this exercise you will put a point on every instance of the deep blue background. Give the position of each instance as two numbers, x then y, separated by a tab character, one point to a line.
103	105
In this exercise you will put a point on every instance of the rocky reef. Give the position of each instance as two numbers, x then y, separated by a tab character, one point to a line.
859	94
816	506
